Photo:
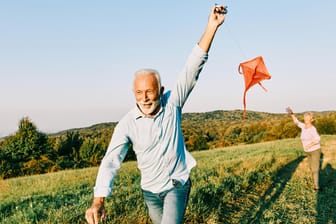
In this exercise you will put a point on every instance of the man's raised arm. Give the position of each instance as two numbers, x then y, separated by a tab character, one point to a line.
216	18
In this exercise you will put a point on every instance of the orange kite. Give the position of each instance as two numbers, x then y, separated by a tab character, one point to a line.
254	72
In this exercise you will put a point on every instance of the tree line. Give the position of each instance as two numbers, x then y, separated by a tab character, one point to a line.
29	151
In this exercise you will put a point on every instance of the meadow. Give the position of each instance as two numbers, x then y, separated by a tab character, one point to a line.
265	182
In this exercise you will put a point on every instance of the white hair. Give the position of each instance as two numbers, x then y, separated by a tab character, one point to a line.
148	71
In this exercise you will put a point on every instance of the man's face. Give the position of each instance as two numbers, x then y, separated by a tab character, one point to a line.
147	93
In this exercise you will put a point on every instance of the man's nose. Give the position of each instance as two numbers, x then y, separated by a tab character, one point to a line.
144	96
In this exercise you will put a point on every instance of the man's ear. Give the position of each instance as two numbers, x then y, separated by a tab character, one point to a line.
161	90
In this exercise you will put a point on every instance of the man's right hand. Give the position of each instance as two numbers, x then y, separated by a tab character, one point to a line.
96	213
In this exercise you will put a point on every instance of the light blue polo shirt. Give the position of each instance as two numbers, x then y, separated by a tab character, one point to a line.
158	142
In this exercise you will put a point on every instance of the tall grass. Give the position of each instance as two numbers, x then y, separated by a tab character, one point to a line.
260	183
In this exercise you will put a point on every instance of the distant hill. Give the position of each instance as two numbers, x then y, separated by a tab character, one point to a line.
230	116
86	130
218	117
194	117
221	128
211	118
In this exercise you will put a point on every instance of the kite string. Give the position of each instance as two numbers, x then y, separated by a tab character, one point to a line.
239	68
236	40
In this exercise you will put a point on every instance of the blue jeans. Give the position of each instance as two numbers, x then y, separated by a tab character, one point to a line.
168	206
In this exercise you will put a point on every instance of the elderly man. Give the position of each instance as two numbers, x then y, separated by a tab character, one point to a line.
153	127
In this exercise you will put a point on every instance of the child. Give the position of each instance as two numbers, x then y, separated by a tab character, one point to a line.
311	143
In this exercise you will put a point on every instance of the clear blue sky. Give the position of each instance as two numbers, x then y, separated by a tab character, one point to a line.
70	63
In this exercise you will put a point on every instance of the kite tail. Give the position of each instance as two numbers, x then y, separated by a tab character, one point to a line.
262	86
244	102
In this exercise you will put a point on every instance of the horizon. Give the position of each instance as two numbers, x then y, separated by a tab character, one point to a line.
71	64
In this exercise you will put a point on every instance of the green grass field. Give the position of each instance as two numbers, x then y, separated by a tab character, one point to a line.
261	183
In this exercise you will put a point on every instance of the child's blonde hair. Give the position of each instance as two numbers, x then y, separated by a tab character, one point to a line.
310	114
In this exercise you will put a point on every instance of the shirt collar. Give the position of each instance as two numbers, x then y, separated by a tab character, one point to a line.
138	114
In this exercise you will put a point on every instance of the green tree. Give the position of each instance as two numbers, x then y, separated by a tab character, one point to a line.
69	151
327	124
25	151
91	152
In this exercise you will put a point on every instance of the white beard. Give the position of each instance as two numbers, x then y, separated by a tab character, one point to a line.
148	111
